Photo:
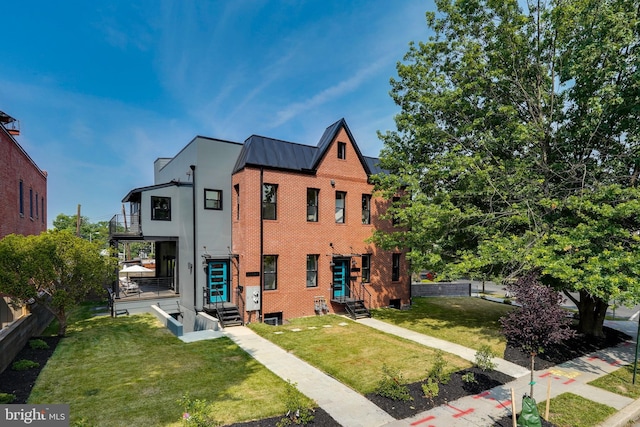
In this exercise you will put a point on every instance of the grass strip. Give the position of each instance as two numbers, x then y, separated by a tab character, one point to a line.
570	410
620	382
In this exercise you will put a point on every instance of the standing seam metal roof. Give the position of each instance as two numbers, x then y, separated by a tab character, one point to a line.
278	154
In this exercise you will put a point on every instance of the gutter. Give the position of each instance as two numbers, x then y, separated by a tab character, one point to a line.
193	268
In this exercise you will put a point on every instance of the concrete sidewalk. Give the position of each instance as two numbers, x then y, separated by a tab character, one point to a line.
345	405
351	409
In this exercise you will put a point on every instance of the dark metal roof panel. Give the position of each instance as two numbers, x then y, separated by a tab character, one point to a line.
134	195
274	153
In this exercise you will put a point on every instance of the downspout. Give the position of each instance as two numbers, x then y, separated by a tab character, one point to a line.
261	242
193	268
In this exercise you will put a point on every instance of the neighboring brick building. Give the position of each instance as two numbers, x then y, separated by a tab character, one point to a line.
301	217
24	186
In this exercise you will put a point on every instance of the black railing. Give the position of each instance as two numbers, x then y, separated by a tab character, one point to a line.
148	286
125	225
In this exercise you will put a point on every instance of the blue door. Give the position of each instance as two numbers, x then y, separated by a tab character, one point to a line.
340	277
218	277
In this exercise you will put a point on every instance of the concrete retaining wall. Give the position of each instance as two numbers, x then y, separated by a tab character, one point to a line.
14	337
172	324
441	289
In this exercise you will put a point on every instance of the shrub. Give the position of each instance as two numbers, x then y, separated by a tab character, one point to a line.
469	378
24	365
297	412
38	344
483	358
431	388
196	412
438	369
6	398
391	386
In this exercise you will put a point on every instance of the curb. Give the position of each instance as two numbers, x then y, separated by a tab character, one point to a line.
623	416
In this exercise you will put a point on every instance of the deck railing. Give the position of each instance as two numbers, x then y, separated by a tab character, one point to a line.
128	225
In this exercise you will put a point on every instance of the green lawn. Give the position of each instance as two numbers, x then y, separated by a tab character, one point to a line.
620	381
130	371
570	410
353	353
471	322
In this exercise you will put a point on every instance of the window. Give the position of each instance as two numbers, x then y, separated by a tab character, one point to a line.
312	204
341	197
21	197
237	188
42	209
366	209
161	208
366	268
37	206
270	272
395	268
312	271
269	201
213	199
395	220
31	203
342	150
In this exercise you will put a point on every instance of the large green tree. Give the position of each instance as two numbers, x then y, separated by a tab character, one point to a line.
517	146
55	269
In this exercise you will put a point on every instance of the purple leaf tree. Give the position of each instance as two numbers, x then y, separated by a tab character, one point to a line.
539	321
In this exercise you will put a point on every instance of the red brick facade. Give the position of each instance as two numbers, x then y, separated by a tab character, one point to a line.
291	237
23	192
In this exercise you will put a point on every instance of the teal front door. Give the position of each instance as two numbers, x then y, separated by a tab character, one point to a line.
218	278
340	278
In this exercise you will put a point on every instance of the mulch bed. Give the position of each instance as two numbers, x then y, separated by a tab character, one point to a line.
21	383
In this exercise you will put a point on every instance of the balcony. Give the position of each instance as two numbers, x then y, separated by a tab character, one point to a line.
125	226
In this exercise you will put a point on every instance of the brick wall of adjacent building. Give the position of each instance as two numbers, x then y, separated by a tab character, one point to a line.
17	167
291	237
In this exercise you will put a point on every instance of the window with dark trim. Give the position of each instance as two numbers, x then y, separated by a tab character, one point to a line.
270	272
395	267
37	206
31	203
341	198
395	220
366	208
269	201
312	204
366	268
312	271
237	188
42	208
212	199
160	208
342	150
21	197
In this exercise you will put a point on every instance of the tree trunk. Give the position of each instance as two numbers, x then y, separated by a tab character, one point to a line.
592	313
533	362
62	324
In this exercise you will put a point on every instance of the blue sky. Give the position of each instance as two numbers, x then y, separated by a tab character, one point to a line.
103	88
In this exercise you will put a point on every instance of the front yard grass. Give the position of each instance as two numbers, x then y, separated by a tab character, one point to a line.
468	321
130	371
353	353
570	410
620	382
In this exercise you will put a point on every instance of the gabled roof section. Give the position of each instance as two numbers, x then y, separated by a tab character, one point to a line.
134	195
328	136
273	153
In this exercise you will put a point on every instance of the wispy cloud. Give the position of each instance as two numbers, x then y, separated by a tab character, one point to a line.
343	88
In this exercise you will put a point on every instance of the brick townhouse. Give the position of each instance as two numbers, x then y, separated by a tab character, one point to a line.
301	220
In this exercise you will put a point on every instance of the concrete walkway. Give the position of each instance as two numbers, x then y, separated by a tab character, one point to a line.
351	409
345	405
